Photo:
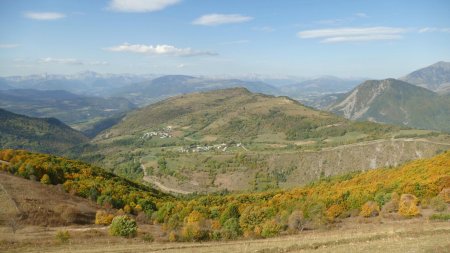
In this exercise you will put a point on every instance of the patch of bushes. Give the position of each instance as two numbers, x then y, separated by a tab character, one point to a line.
438	204
370	209
231	229
296	221
123	226
440	217
148	238
408	206
270	228
63	236
103	218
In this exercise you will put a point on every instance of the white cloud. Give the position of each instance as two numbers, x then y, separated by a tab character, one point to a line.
361	38
335	35
434	29
158	50
9	45
69	61
180	66
220	19
140	5
44	15
361	15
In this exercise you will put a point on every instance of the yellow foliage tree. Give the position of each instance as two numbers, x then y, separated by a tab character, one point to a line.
408	206
370	209
103	218
334	211
45	179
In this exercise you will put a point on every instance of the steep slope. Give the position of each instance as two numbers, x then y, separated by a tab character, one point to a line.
435	77
396	102
167	86
47	135
81	179
32	203
75	110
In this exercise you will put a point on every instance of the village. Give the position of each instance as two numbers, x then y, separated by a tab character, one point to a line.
205	148
162	134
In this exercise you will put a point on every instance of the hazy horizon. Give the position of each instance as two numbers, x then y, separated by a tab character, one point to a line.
285	38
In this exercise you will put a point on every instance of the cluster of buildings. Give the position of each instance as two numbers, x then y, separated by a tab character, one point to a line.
205	148
162	134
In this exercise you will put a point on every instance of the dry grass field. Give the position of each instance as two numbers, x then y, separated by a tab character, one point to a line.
352	235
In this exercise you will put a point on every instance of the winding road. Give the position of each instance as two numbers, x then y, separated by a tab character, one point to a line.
153	180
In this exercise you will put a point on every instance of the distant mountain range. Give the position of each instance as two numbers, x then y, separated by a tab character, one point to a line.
321	85
75	110
395	102
435	77
171	85
90	83
47	135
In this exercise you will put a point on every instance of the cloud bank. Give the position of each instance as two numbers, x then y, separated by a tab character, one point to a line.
335	35
220	19
44	15
140	5
158	50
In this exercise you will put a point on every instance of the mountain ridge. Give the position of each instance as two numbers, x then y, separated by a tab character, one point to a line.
48	135
396	102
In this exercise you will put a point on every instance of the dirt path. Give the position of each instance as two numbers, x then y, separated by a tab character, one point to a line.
153	180
8	207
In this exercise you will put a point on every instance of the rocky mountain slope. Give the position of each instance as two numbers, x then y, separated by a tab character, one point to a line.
435	77
395	102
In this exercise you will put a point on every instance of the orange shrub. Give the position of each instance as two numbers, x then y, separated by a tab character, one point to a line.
334	211
103	218
408	206
370	209
445	193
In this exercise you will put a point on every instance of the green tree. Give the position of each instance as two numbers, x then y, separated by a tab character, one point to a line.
123	226
45	179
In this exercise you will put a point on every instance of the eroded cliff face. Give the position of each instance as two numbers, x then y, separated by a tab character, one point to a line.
360	157
300	168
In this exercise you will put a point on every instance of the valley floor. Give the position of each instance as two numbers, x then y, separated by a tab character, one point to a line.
352	235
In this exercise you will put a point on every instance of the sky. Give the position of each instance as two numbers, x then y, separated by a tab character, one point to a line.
354	38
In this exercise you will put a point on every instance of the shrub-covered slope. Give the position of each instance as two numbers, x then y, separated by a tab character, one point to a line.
47	135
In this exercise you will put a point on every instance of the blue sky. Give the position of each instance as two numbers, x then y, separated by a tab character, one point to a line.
376	39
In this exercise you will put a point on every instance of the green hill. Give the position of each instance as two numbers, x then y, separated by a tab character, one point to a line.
47	135
236	115
396	102
236	140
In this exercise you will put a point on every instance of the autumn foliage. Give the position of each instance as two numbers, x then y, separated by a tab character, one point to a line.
264	214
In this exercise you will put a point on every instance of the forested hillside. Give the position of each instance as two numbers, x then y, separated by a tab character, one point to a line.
47	135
